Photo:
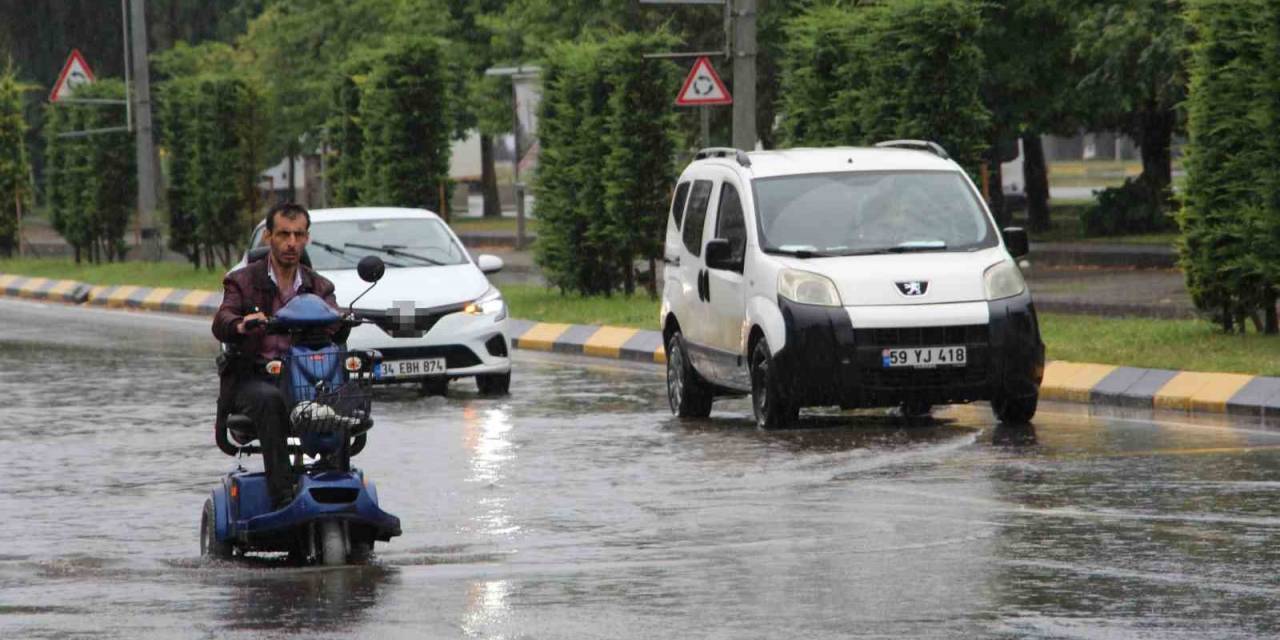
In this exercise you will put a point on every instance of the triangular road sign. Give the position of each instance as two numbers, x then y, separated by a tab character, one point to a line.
74	73
703	87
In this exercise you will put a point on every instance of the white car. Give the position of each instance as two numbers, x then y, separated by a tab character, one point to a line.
440	318
858	277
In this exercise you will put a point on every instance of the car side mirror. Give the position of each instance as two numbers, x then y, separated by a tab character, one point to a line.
489	263
720	255
1015	240
371	268
255	254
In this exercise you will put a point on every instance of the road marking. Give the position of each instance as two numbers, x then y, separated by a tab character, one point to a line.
541	336
607	341
1196	391
1072	381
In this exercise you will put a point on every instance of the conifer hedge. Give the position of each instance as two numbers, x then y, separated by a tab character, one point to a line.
607	132
392	118
213	132
856	75
1230	248
15	170
90	181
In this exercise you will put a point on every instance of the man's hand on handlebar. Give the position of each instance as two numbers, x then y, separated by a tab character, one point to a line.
252	322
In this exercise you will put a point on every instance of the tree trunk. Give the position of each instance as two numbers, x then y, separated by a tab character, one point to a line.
653	278
1035	176
995	187
489	179
1272	325
1155	141
290	191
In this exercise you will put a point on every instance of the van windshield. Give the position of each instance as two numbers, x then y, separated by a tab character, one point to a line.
869	212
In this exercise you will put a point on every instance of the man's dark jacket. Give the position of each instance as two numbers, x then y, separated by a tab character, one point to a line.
244	289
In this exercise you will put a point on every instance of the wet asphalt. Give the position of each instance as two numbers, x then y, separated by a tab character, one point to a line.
578	507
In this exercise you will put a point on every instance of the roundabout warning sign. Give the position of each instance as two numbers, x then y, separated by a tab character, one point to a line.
703	87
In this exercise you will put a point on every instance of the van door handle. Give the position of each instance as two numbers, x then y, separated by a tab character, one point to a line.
673	261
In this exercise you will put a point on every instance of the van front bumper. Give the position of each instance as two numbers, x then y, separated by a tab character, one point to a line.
826	361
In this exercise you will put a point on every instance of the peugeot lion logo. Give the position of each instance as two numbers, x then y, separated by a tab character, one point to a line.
913	287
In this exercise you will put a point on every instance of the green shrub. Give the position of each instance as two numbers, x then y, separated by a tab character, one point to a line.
1127	209
607	138
15	185
866	73
212	127
1230	221
90	180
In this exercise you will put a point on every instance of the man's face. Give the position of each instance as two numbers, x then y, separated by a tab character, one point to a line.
287	239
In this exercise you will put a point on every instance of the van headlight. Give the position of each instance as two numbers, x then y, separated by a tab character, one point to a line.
1003	280
489	303
808	288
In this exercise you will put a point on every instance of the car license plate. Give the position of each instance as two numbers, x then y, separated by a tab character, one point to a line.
413	368
924	357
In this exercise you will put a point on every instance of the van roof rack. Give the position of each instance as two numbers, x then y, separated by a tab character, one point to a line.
724	152
919	145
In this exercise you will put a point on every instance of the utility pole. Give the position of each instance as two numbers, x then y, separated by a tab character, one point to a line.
744	74
145	146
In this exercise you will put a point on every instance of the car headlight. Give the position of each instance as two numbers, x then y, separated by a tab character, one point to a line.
489	303
1003	279
808	288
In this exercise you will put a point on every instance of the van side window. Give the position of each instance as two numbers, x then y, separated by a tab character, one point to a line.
729	222
699	198
677	202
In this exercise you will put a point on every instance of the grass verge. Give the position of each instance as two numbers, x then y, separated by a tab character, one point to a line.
1189	345
164	274
533	302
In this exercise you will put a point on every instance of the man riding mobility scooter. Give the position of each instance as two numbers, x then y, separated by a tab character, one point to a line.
334	515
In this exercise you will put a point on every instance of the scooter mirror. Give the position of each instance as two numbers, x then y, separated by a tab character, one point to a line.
371	268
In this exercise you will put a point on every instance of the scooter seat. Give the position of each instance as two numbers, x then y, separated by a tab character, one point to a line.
241	429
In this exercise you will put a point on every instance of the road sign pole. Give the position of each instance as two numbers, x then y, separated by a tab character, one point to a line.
744	74
705	115
144	145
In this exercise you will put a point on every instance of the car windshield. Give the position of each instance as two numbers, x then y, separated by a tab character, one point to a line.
870	212
400	242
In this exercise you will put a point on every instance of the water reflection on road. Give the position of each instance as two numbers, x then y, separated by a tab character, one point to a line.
578	507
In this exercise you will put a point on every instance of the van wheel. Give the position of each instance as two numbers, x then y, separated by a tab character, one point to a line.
1015	410
771	407
688	395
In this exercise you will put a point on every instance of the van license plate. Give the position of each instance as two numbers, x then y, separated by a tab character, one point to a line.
413	368
924	357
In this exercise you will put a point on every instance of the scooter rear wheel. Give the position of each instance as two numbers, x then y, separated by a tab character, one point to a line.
333	543
210	546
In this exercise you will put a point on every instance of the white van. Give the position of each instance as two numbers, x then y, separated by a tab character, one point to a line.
858	277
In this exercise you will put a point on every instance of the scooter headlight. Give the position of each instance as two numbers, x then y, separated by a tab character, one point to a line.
491	303
1003	280
353	364
808	288
274	367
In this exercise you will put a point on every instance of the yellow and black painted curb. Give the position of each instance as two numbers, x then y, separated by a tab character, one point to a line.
1099	384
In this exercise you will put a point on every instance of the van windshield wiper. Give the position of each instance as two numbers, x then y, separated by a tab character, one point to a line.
918	245
393	250
803	252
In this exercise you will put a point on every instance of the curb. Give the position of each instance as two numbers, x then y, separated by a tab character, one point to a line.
1096	384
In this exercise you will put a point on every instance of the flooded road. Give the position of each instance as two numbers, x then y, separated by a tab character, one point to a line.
579	508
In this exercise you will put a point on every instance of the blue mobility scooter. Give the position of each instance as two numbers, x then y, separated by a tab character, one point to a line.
334	517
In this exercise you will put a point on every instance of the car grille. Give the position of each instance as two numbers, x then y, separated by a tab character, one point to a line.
423	320
921	336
